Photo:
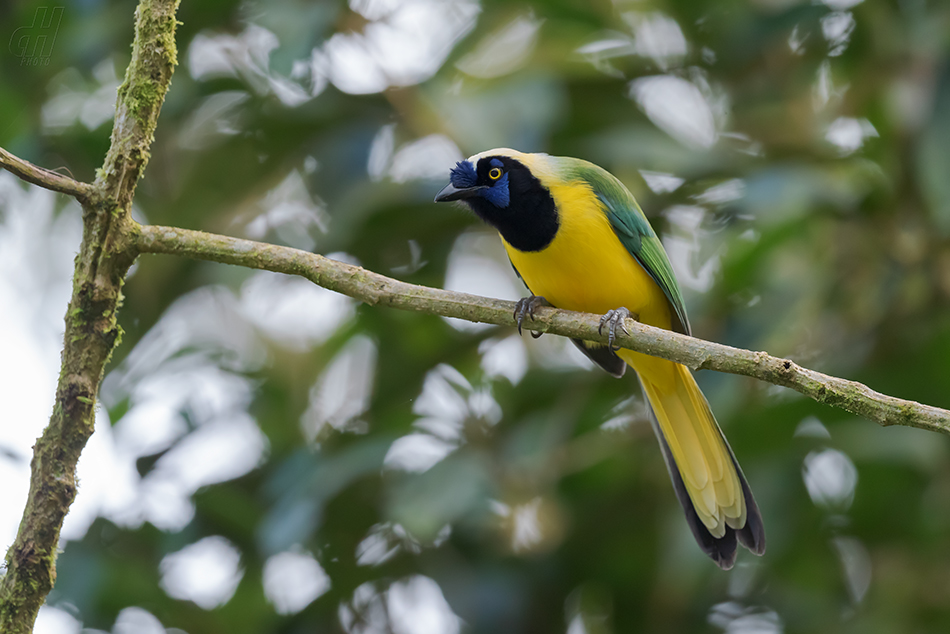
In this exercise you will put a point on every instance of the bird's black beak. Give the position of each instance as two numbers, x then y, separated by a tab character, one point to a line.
451	192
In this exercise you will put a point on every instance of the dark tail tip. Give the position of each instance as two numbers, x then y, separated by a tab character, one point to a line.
752	535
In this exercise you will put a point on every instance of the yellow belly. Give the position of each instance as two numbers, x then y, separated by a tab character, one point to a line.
587	268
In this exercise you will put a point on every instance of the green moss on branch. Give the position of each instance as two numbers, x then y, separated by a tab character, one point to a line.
106	252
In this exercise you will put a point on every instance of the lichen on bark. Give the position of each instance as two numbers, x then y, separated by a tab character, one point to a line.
92	332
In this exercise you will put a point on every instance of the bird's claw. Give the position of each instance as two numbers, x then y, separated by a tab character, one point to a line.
612	319
526	307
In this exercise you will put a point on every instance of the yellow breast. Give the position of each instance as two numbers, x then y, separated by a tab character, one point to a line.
586	267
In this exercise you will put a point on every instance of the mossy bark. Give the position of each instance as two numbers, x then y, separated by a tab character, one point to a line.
92	332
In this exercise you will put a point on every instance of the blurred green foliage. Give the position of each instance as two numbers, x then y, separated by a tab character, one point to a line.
815	221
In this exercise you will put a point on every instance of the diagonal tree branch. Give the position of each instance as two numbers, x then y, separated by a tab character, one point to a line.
44	177
91	329
697	354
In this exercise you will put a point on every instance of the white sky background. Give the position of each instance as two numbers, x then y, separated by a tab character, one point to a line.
405	42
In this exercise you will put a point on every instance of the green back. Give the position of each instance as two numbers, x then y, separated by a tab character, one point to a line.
632	228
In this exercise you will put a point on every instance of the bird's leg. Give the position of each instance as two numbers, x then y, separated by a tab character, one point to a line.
525	307
612	319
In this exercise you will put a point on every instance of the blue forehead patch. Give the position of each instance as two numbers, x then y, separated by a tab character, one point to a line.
497	163
463	175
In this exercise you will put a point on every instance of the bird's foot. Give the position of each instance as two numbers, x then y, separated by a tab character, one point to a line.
612	319
525	307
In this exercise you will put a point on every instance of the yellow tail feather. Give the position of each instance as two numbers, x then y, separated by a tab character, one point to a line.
695	441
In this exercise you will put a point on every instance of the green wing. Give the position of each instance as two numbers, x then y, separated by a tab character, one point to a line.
634	231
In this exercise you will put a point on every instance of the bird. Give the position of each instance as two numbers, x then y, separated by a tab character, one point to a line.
578	240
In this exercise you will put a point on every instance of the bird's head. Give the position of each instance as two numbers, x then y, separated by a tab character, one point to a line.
486	177
502	187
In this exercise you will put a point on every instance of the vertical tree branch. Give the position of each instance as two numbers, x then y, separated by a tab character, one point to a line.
91	329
